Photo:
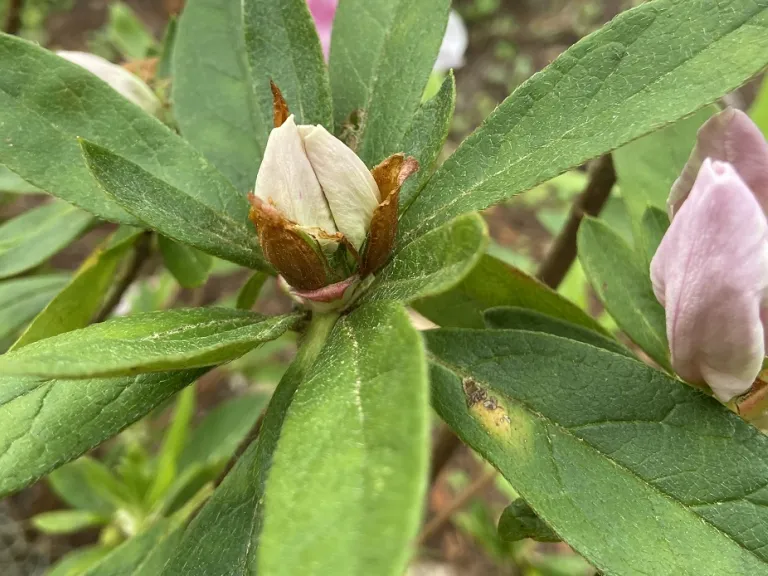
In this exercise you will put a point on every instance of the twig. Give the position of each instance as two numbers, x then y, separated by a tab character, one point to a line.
552	271
141	253
444	516
13	18
591	201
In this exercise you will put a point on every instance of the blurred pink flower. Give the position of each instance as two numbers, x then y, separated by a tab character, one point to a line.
323	12
711	270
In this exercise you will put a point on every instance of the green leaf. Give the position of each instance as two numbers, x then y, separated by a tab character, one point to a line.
622	281
647	168
78	302
47	103
282	46
655	223
149	342
250	291
79	485
638	472
646	68
759	109
363	409
382	53
217	437
129	558
223	538
190	267
165	61
46	423
15	184
173	444
214	100
519	521
78	561
506	317
426	136
22	299
433	264
33	237
172	213
66	521
127	33
161	552
493	283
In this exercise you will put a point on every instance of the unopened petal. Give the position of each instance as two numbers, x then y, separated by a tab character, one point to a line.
454	44
711	274
323	12
346	182
287	182
732	137
126	84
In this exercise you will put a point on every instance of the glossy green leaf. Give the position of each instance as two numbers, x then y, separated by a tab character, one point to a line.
646	68
66	521
223	538
382	53
647	168
519	521
511	317
250	291
79	484
79	301
149	342
493	283
33	237
355	506
433	264
426	136
655	223
219	434
15	184
161	552
22	299
45	423
282	46
46	103
129	558
190	267
171	212
638	472
621	279
214	101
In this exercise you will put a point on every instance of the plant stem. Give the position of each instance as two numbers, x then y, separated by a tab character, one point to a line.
13	18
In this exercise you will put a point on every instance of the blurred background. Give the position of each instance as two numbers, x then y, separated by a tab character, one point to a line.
93	504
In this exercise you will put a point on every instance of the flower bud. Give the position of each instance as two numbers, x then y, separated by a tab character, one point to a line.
126	84
322	217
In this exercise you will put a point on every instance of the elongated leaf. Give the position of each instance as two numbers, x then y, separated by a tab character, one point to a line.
127	559
79	484
511	317
190	267
435	263
250	291
655	223
15	184
621	279
426	136
48	102
77	303
493	283
21	299
213	96
638	472
223	538
647	168
149	342
33	237
363	407
220	433
169	211
518	522
46	423
66	521
382	54
78	561
648	67
282	46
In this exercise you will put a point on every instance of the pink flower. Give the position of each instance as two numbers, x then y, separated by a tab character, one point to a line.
711	270
323	12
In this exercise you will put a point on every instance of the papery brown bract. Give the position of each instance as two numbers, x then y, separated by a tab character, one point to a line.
280	110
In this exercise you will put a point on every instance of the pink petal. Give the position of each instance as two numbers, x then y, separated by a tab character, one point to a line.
729	136
323	12
711	274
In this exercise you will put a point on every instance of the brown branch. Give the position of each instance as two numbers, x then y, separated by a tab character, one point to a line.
141	253
13	18
552	271
591	202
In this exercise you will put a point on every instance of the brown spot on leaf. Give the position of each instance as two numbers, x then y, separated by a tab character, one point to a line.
279	106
